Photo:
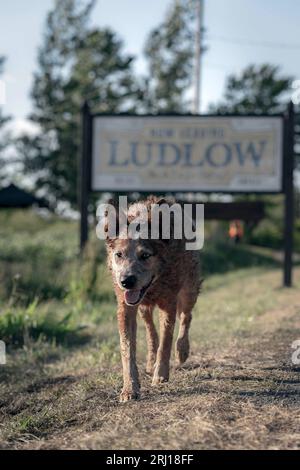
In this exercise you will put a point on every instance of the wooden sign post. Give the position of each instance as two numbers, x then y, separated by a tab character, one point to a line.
85	174
288	188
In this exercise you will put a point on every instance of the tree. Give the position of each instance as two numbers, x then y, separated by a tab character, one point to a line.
169	53
258	89
4	139
76	63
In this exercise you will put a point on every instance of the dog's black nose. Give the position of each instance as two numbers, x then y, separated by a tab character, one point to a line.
129	282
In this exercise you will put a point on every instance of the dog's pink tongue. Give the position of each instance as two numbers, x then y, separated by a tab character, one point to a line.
132	296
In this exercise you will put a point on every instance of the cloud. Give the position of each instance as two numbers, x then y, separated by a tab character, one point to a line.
23	126
2	93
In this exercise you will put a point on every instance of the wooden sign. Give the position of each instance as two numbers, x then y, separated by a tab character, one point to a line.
187	153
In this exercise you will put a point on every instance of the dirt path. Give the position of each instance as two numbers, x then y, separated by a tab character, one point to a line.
239	390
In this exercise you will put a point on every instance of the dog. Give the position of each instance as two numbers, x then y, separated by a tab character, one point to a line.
147	273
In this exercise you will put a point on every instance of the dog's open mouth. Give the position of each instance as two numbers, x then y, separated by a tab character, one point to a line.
134	296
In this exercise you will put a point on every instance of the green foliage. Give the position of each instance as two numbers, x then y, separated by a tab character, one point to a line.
75	63
222	257
35	253
169	52
18	325
4	138
269	234
258	89
39	259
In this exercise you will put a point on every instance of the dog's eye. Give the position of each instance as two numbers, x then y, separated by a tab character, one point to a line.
118	254
145	256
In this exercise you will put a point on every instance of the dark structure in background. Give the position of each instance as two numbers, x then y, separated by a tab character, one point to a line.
288	190
13	197
297	155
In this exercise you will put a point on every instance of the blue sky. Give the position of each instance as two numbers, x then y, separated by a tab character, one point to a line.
231	26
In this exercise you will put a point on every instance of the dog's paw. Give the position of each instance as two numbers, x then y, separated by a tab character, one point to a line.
182	351
161	375
128	395
157	380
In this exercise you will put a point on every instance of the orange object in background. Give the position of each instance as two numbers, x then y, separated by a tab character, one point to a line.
236	230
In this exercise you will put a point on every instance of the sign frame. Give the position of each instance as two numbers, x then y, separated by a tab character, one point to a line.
287	166
193	116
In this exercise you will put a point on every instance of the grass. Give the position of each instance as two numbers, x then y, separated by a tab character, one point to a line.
60	386
19	325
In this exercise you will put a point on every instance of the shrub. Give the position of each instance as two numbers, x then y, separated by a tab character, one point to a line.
19	325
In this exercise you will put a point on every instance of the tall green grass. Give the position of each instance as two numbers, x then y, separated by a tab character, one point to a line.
19	325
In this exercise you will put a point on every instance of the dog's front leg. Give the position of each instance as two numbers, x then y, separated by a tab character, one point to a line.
152	337
167	318
127	330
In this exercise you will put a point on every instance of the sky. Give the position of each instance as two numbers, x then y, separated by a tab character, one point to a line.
239	32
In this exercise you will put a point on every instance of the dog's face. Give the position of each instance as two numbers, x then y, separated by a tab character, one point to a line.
136	265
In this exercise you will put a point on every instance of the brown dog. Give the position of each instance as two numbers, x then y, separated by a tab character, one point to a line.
147	273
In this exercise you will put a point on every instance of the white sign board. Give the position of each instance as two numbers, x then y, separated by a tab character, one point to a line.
186	153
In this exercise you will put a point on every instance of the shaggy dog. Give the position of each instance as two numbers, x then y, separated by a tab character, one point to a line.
149	273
